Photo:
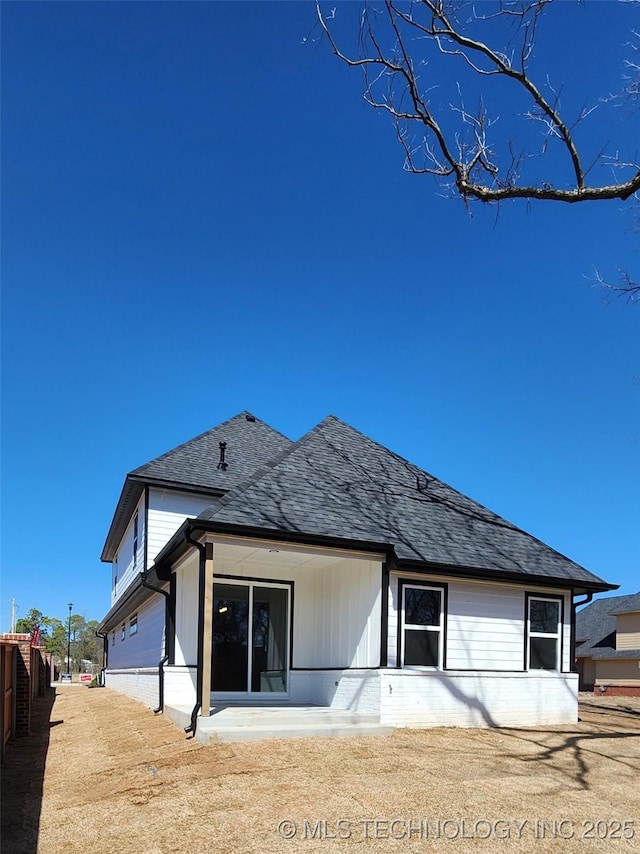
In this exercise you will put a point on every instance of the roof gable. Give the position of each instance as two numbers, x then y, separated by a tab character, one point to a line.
250	444
195	466
336	482
596	624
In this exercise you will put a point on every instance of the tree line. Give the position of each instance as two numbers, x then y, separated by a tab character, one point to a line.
85	646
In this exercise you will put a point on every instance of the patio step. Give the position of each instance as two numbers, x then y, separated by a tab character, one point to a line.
252	723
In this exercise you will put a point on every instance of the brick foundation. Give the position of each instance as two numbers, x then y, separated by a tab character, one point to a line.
618	690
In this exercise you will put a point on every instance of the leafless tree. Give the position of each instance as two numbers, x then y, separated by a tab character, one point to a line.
426	61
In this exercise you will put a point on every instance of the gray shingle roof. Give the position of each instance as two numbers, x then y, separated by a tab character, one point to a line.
251	443
336	482
596	627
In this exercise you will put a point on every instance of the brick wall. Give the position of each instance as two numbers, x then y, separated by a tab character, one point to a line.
619	690
22	688
32	679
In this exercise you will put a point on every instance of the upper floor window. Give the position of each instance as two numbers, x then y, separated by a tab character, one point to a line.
422	626
133	625
543	629
123	633
135	539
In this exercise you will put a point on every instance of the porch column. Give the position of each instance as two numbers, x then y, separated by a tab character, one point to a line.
207	630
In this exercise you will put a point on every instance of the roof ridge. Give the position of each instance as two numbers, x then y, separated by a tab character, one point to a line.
264	470
244	413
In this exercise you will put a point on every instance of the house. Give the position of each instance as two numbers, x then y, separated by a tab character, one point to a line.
608	645
332	572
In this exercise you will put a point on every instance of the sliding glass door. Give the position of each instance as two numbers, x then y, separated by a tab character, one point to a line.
250	637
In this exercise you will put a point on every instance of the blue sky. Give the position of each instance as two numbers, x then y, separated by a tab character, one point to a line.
201	216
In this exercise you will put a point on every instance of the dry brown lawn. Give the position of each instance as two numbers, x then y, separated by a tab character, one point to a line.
102	774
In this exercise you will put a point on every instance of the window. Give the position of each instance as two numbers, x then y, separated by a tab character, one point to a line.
122	632
135	539
115	576
115	584
133	625
113	639
543	627
422	626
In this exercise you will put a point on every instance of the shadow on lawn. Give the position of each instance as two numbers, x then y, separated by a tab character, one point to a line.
570	752
22	781
581	747
609	710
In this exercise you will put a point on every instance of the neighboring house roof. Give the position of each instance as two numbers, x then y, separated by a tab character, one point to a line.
193	466
337	483
596	627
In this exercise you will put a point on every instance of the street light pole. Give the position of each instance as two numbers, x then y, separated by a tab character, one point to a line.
69	642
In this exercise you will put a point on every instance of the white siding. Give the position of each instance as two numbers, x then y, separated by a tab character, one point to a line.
336	609
127	570
167	511
187	582
146	647
337	616
392	622
485	623
485	626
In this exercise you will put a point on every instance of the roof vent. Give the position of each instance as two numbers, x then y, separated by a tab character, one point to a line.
222	464
250	417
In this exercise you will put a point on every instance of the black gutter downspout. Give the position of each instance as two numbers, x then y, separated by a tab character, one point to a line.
200	662
574	606
161	665
105	654
168	621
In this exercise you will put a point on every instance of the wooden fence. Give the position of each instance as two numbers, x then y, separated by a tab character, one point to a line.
25	675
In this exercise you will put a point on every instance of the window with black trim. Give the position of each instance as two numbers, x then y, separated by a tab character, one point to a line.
422	626
543	630
133	625
123	633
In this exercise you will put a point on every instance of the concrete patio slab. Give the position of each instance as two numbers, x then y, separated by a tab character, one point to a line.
229	722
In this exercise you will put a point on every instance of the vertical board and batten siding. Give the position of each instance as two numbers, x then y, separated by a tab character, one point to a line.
187	593
336	609
167	511
126	569
146	647
486	623
337	617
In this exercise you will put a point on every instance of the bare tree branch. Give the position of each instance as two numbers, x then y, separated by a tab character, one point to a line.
470	160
